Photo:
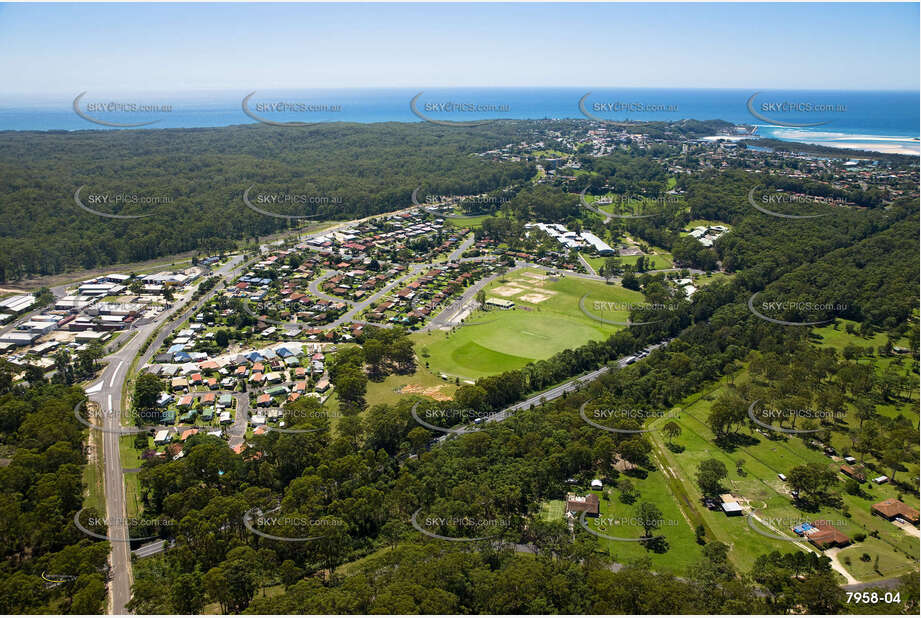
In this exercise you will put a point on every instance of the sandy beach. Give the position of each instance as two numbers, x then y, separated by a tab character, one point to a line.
898	148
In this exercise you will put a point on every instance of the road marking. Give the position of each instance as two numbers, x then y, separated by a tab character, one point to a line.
114	375
110	402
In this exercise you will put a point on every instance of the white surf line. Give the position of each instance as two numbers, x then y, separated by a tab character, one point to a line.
114	375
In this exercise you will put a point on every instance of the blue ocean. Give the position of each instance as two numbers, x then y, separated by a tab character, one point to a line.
883	121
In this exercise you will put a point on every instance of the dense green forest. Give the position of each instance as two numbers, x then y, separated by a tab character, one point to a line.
191	181
354	170
48	566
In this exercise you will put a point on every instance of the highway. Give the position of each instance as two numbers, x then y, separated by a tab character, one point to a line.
107	393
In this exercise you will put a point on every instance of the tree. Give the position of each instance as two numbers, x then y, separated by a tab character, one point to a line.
401	354
866	410
812	481
147	389
635	450
418	437
374	355
611	267
85	366
729	412
672	430
233	583
481	298
650	517
630	281
710	474
352	384
471	396
290	573
186	594
89	597
627	491
64	373
892	459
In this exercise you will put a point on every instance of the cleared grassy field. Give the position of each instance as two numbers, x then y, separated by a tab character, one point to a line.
628	205
659	261
546	320
618	519
471	222
394	387
553	510
703	280
756	483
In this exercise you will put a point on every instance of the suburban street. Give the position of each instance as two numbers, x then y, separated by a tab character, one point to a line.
314	288
109	389
107	393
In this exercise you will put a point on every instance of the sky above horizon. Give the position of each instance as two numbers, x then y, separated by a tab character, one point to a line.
66	48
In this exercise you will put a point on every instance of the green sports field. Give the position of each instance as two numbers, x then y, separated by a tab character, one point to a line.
465	221
546	320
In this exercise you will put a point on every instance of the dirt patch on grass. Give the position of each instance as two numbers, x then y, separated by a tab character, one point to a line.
506	290
534	298
433	392
534	286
